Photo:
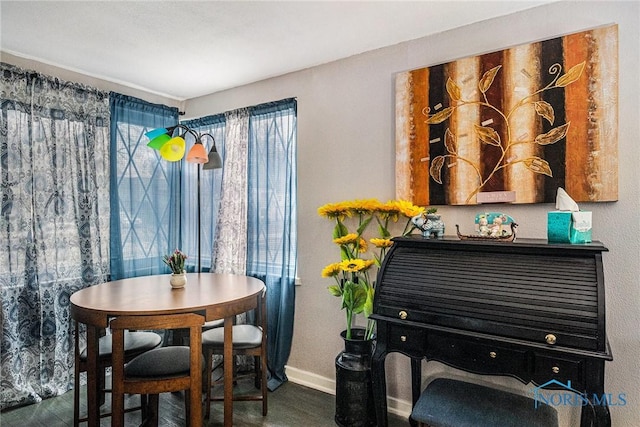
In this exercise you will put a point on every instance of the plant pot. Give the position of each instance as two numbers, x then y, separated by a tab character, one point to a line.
354	392
178	280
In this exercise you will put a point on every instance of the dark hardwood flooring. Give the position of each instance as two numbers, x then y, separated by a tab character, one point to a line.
291	405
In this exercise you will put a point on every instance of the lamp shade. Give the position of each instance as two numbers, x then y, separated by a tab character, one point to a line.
156	133
197	154
159	141
173	150
214	160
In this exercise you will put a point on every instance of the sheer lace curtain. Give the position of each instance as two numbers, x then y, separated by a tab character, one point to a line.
54	224
230	248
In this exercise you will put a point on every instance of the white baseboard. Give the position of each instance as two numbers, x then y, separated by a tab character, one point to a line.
395	406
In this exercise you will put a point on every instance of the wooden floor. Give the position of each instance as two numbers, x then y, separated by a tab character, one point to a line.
291	405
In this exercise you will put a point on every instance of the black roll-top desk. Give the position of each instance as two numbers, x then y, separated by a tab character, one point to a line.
527	309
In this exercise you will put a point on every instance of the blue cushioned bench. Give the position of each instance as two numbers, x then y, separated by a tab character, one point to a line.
452	403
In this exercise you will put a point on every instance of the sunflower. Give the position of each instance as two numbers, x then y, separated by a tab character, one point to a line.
351	238
364	207
335	210
381	243
331	270
362	245
389	210
408	209
356	265
368	263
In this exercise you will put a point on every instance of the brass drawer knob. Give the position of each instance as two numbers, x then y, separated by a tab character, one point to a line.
550	338
555	369
493	354
403	314
403	338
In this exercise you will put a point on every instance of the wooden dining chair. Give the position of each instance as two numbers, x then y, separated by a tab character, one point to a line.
135	343
248	340
164	369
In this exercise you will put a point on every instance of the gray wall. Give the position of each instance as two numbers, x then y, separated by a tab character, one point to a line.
346	151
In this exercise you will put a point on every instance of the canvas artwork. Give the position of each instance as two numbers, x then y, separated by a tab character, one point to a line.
512	125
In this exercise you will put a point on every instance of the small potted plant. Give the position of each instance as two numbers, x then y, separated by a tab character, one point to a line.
176	261
433	213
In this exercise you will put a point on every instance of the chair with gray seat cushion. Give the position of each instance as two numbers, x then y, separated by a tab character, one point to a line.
213	324
248	339
181	336
135	343
452	403
164	369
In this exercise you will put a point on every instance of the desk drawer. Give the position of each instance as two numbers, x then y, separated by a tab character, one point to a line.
546	368
407	340
477	356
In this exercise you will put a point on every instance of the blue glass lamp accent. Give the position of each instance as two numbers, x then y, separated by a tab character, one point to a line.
156	132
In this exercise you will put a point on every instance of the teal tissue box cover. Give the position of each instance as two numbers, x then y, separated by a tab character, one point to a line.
569	227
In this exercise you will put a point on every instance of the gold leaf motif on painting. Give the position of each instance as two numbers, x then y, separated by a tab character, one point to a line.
553	136
436	169
487	135
454	91
450	141
571	76
545	110
538	165
487	79
440	116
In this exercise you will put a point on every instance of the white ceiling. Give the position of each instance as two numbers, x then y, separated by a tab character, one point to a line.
186	49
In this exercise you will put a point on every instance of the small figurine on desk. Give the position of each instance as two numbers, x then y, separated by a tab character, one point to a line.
490	226
483	225
429	223
496	226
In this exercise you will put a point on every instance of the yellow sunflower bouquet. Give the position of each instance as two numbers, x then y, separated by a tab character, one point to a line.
354	272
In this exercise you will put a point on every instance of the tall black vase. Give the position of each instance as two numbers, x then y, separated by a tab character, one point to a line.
354	392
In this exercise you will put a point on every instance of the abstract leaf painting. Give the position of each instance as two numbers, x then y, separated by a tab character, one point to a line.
521	121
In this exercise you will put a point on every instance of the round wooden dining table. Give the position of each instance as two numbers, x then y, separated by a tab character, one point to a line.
215	296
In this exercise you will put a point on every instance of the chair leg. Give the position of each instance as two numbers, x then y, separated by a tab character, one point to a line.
235	370
144	402
153	405
187	407
76	376
102	378
207	370
76	392
263	385
257	379
76	395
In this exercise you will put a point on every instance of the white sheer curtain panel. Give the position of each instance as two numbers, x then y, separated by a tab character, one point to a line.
230	249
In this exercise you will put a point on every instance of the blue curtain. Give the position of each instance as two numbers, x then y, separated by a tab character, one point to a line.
54	224
210	189
271	228
145	190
